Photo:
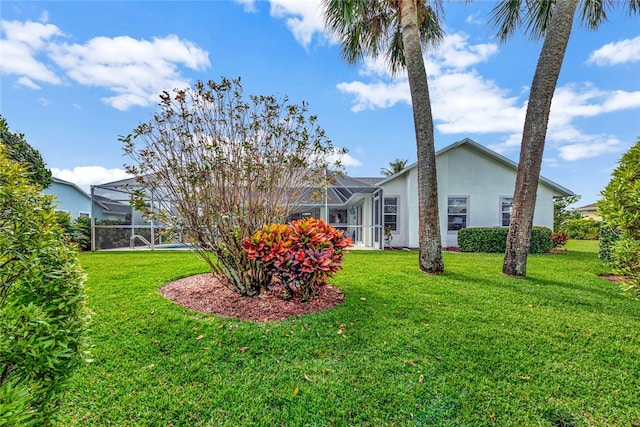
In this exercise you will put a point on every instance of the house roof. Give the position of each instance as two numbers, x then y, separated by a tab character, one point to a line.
342	190
591	207
563	191
70	184
112	206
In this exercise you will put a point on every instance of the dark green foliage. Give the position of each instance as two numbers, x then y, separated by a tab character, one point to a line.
582	229
19	150
482	239
76	231
42	306
608	236
494	239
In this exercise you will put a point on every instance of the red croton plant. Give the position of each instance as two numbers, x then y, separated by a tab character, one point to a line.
302	255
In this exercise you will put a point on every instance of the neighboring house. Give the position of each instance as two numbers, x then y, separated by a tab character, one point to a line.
589	211
69	198
475	189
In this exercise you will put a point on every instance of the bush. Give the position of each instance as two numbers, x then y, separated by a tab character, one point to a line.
303	254
76	231
42	305
625	261
494	239
608	236
221	164
581	229
558	240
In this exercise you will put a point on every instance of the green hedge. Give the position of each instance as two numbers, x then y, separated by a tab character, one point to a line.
581	229
494	239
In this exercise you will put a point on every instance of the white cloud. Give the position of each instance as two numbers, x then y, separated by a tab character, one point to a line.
135	70
249	6
376	95
456	52
303	18
86	176
348	161
20	46
43	101
621	52
463	101
27	82
592	146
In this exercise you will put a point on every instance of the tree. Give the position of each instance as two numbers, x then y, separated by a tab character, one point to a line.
43	316
620	204
19	150
562	213
398	29
554	20
226	165
394	167
620	210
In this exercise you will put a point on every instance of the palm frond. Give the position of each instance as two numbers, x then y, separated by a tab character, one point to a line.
506	16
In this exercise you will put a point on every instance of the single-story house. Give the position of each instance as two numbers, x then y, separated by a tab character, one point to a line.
589	211
475	189
69	198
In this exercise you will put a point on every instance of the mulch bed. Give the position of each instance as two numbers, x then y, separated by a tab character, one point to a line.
205	293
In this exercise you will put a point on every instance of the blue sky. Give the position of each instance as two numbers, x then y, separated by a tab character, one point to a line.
76	75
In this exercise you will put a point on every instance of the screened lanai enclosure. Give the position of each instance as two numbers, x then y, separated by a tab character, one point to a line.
115	224
353	205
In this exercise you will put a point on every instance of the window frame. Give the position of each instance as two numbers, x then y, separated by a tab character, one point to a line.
465	214
396	213
502	211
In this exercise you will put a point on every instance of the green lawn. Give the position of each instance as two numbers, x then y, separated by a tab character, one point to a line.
469	348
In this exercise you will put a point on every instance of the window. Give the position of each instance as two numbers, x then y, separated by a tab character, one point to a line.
505	210
84	215
391	213
457	208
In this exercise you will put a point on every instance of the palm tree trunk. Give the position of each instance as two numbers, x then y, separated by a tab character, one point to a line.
534	135
429	225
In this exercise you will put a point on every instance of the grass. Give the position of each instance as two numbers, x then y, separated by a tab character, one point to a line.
469	348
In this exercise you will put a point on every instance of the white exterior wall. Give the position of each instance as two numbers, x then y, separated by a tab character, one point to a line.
462	171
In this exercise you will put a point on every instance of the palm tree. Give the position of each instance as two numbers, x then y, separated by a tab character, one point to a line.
554	20
394	167
400	28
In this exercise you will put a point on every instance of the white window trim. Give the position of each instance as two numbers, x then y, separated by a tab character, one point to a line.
500	209
397	230
454	196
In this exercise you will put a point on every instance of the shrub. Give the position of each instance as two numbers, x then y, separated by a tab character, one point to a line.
219	165
625	261
494	239
608	236
620	210
303	254
581	229
558	240
42	306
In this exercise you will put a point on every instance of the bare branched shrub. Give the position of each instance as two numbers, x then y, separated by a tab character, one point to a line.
221	165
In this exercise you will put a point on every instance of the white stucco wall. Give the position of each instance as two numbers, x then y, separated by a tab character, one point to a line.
463	171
